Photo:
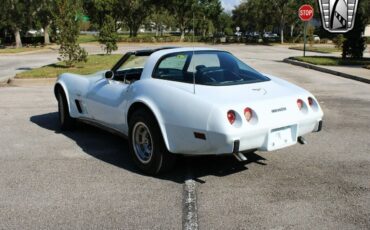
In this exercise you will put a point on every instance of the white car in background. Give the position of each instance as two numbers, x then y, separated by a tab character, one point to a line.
190	101
316	38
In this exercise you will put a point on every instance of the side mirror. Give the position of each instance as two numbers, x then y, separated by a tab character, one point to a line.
109	74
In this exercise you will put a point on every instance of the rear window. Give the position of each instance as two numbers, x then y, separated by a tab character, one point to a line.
206	68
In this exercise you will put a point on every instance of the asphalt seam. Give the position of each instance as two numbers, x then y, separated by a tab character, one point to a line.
190	209
325	70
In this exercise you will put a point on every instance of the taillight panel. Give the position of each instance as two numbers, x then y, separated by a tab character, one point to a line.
231	116
300	104
310	101
248	114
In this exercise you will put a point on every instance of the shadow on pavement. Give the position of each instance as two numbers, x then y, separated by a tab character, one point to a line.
113	149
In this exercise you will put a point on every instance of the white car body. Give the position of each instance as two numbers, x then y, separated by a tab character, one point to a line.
193	118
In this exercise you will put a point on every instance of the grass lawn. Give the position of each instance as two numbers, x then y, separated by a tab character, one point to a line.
20	50
85	38
95	63
318	49
333	61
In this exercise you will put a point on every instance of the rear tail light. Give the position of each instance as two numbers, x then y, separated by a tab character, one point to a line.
248	114
310	101
231	116
300	104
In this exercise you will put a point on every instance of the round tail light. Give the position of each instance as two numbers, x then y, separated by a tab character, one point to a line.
300	104
310	101
248	114
231	116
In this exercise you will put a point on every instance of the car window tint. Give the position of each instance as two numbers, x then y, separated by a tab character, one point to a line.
214	68
171	67
174	62
202	61
134	62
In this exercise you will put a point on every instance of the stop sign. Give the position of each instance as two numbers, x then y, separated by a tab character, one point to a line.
306	13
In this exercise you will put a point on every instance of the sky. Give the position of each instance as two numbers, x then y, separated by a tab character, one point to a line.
229	4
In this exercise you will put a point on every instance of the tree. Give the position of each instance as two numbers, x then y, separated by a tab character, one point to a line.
16	17
251	15
224	23
108	36
43	15
161	19
210	10
68	25
134	13
182	11
98	9
354	44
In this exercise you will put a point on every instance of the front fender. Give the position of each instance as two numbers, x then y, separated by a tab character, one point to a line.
64	87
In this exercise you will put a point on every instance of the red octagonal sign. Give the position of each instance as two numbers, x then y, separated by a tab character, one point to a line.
306	13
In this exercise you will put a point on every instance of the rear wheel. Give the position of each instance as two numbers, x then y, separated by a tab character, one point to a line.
65	120
147	147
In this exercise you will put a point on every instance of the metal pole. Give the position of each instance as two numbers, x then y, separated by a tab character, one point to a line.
305	38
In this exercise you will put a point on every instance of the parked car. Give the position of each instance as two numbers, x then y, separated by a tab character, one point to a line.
190	101
316	38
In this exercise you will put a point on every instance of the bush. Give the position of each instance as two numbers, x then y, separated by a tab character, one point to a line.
325	41
338	41
69	29
108	37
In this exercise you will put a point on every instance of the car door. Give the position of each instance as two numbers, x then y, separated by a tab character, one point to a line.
107	98
105	102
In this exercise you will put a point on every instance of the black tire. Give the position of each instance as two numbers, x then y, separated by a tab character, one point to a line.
65	120
161	160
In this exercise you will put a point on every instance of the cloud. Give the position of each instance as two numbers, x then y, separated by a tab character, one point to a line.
229	5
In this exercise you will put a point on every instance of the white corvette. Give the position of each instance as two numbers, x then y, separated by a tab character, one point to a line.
192	101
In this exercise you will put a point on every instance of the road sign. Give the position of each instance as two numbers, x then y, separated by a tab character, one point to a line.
306	13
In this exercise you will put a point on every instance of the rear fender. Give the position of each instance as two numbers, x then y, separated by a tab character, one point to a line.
158	116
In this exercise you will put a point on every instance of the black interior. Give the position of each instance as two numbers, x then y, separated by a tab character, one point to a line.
128	76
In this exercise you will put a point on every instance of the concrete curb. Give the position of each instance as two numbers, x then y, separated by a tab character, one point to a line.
31	81
325	70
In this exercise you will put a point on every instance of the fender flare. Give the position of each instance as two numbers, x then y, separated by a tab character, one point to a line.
63	86
156	113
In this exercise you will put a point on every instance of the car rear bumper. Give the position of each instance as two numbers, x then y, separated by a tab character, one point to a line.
262	139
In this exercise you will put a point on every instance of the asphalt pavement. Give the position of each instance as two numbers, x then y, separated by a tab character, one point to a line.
85	180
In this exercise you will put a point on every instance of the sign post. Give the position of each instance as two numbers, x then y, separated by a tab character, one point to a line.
305	13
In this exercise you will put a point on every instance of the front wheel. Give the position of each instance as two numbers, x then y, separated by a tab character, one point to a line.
65	119
147	147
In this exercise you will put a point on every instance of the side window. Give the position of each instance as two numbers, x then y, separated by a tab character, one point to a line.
203	61
172	67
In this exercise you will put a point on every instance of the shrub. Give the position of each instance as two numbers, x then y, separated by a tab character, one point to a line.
69	28
338	41
108	37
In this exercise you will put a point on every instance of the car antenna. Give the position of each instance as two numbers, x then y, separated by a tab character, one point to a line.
193	53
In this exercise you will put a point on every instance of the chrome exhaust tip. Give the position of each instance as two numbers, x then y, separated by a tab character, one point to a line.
240	157
302	141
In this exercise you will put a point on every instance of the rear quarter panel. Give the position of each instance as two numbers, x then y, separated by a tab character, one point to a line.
178	111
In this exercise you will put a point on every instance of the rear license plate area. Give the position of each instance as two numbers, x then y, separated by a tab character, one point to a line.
282	137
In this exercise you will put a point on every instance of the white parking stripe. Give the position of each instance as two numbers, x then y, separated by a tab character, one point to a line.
190	210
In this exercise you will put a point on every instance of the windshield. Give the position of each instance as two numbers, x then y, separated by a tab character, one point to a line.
206	68
134	62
